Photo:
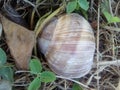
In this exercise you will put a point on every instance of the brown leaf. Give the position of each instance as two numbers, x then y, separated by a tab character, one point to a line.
20	41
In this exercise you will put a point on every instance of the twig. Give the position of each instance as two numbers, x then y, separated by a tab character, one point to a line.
98	31
48	19
65	85
104	63
20	85
27	1
111	11
112	28
22	71
73	81
117	8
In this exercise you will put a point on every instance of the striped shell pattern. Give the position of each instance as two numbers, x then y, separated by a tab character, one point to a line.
68	44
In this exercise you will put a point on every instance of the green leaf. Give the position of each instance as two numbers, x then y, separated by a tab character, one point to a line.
3	57
106	12
84	4
76	87
35	84
107	15
47	76
35	66
71	6
6	73
115	19
110	18
105	6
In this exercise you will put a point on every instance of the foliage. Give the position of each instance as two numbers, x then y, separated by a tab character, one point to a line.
106	12
47	76
71	6
3	57
76	87
6	71
35	84
41	76
35	66
82	5
110	18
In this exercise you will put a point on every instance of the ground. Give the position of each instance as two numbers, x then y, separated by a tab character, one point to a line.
105	73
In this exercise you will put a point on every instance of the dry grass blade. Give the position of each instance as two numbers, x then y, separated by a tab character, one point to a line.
118	87
73	81
112	28
105	73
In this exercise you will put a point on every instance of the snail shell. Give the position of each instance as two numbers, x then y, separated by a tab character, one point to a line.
68	44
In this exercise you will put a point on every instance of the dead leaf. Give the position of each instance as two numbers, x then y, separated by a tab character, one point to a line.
0	29
20	41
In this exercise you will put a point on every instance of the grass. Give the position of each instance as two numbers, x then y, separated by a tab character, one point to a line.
105	74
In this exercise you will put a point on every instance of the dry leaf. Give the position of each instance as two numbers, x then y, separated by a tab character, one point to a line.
20	41
0	29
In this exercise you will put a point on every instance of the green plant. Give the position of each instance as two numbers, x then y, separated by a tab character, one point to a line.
40	76
6	72
106	12
74	5
76	87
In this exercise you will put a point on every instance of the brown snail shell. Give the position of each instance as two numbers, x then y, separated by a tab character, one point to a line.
68	44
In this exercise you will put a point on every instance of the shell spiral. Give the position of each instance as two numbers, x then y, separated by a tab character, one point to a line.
68	44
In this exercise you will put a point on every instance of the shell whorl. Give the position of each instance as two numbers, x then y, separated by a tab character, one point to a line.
68	44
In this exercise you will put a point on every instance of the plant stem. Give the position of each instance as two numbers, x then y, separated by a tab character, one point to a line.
48	19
